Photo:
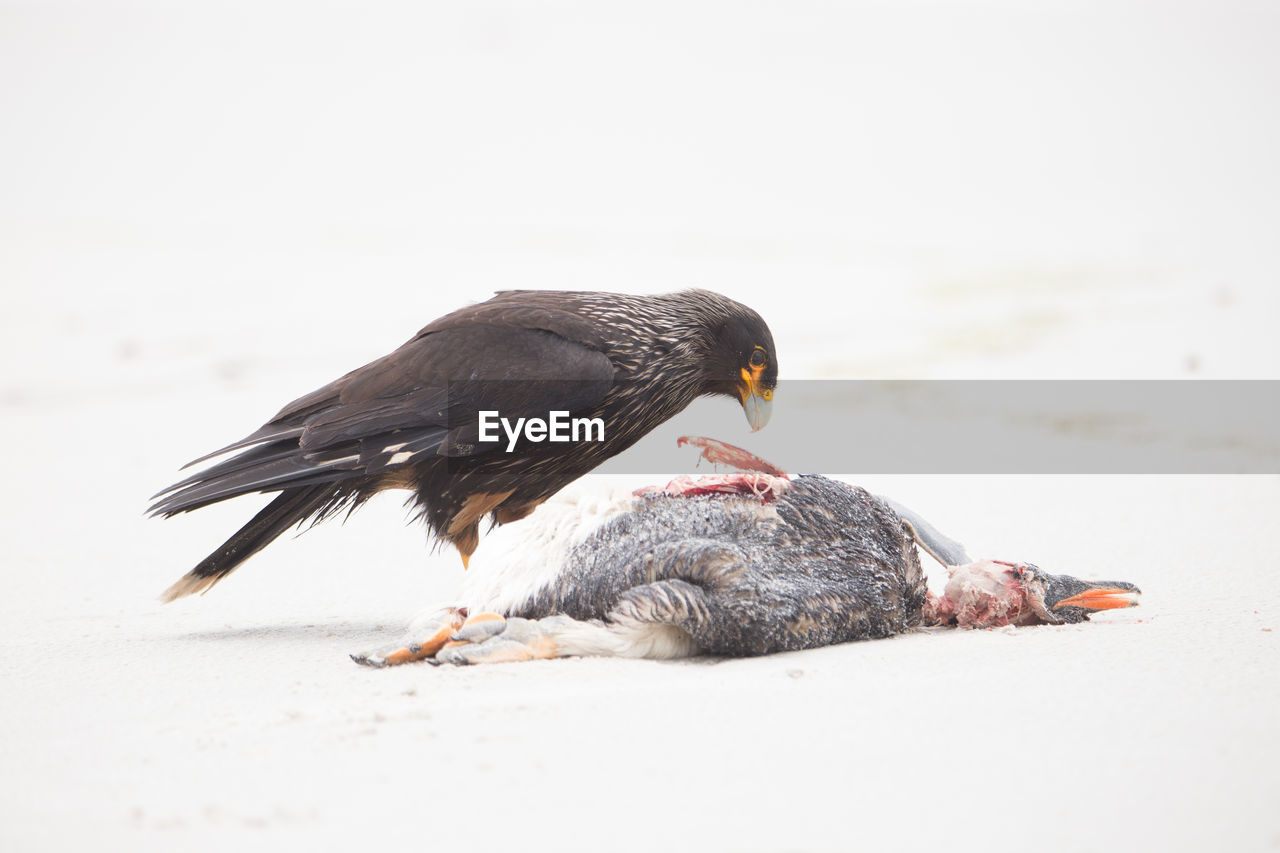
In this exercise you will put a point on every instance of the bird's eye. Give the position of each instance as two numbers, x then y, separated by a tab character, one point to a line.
758	358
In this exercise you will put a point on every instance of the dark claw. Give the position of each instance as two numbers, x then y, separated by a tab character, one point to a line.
453	656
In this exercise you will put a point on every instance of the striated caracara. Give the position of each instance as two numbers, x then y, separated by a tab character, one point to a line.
411	419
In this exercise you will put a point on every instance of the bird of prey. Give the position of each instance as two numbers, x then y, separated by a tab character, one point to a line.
732	565
411	419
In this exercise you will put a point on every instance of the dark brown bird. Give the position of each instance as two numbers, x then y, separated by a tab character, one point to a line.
410	420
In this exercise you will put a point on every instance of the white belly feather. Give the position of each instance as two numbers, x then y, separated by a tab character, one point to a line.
515	561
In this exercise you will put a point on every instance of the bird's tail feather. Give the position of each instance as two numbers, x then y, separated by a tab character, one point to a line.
292	506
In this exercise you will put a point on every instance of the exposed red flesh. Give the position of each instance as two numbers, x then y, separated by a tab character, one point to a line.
755	476
982	594
720	453
764	486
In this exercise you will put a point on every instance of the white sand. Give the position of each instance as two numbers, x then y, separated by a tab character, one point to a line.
237	718
209	213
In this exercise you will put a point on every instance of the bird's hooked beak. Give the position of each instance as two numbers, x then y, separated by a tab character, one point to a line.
757	400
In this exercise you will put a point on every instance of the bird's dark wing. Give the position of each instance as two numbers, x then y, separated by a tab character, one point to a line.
421	399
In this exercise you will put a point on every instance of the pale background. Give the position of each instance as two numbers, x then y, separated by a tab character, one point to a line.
208	209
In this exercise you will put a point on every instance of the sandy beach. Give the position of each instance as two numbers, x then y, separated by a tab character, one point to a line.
209	211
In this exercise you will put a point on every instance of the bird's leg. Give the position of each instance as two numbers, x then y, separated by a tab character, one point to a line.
650	621
499	640
641	626
426	636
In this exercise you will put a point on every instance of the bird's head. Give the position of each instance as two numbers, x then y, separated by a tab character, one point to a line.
992	593
1059	599
742	363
